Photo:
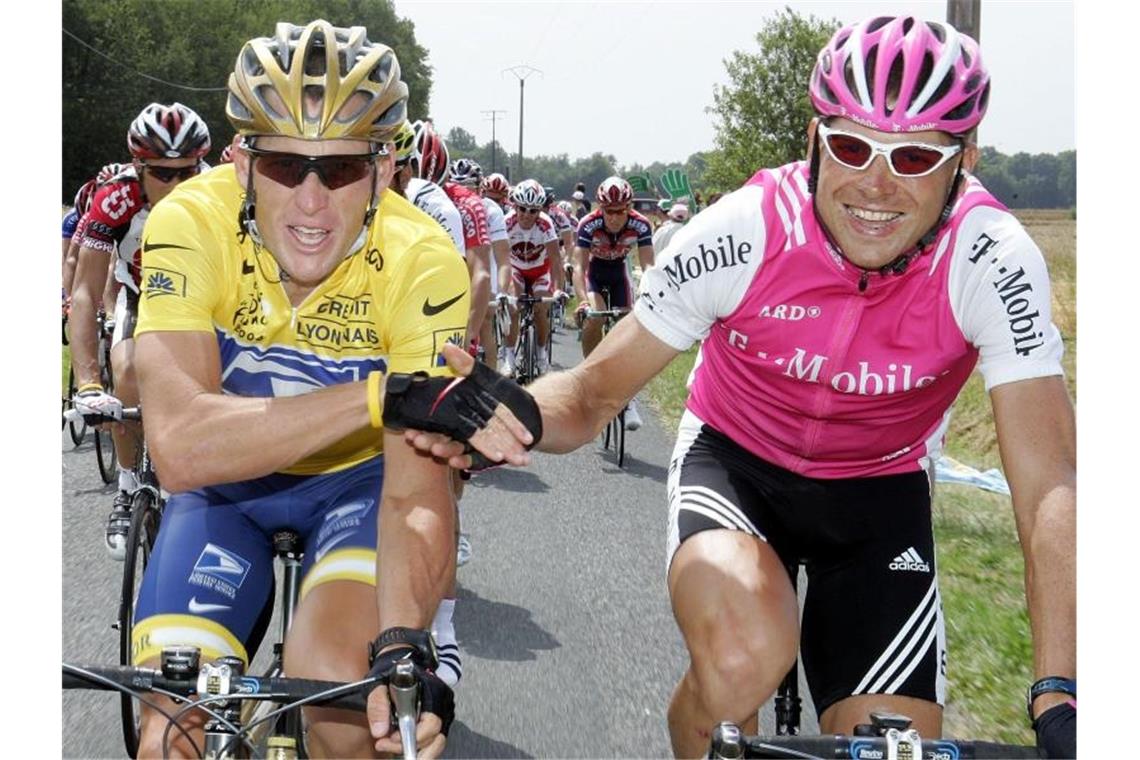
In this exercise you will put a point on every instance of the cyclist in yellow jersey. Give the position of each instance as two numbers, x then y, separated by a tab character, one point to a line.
277	292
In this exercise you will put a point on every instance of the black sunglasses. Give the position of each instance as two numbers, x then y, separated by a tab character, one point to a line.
289	169
166	174
527	210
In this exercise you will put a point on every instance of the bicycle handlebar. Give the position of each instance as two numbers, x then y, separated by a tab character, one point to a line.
728	743
515	300
348	696
130	414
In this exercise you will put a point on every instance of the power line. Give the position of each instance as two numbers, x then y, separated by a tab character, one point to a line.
139	73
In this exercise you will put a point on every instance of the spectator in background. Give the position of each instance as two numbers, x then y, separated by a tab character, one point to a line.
678	215
581	200
714	198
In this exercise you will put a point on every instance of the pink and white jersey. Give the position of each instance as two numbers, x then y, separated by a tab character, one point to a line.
807	371
114	224
528	247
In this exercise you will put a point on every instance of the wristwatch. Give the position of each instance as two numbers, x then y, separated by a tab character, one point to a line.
1047	685
420	641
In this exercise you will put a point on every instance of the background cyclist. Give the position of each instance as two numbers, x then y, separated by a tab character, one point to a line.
167	144
606	237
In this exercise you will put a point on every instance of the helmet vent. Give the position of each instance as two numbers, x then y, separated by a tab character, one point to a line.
964	109
878	23
352	108
938	31
907	25
251	63
270	101
826	92
237	108
894	84
313	101
315	63
394	116
382	71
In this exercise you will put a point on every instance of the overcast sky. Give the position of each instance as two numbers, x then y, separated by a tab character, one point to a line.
594	93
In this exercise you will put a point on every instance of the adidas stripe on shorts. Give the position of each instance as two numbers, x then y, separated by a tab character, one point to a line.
872	619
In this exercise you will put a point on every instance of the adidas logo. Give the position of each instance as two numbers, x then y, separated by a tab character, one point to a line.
909	560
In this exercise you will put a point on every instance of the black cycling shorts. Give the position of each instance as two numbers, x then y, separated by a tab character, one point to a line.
610	275
872	620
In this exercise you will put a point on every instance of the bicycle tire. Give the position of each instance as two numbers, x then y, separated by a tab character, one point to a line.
77	429
105	456
619	429
145	518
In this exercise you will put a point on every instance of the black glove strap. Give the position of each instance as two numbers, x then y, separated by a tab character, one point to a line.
421	644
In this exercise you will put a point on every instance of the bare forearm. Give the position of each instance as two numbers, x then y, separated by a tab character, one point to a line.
414	559
567	421
215	438
1050	581
480	268
84	338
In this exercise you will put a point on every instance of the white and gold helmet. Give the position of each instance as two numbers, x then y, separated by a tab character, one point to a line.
317	82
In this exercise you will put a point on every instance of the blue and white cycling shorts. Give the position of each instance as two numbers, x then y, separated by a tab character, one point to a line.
210	583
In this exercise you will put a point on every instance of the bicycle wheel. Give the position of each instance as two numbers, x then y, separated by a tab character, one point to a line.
105	454
75	428
145	517
619	433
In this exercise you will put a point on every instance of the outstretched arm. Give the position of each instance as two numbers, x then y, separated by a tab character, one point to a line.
1037	436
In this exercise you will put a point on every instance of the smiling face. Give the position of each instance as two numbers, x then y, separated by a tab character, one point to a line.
309	228
873	214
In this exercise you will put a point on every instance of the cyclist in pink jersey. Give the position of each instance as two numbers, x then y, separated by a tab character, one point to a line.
842	302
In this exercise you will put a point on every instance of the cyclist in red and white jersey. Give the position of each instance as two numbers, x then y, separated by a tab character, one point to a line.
843	302
167	143
606	237
469	174
536	267
433	161
497	188
564	225
71	250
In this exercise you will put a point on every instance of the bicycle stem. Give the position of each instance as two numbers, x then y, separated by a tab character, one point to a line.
403	690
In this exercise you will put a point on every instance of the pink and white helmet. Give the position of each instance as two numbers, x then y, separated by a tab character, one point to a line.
902	74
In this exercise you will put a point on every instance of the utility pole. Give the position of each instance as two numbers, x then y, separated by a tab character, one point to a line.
966	17
522	71
494	145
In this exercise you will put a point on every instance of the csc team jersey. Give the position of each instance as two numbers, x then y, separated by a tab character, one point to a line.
808	371
389	306
600	243
114	224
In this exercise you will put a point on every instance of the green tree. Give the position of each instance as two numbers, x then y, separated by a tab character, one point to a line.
121	55
762	116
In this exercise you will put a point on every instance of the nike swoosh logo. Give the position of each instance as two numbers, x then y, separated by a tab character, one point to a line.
431	311
198	608
148	246
246	268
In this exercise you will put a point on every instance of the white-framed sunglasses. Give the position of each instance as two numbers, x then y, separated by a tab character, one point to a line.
905	159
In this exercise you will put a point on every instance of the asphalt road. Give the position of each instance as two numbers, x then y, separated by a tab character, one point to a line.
568	643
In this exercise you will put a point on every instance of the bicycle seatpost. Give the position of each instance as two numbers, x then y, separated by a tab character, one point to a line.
404	692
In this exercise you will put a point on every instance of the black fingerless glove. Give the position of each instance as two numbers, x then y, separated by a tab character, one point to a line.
1057	731
435	696
457	407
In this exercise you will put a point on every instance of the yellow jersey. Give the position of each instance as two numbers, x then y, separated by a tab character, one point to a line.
390	306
